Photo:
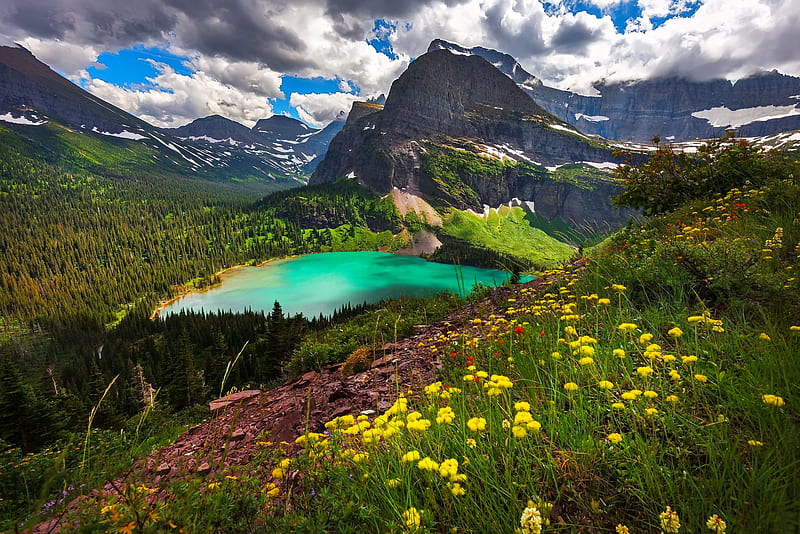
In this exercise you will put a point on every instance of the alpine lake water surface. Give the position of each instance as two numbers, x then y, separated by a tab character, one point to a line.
319	284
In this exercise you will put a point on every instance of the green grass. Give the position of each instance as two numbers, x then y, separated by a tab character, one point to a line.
509	231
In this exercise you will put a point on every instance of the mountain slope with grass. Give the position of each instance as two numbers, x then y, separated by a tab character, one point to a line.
652	387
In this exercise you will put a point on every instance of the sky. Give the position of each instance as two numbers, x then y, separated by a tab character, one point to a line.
172	61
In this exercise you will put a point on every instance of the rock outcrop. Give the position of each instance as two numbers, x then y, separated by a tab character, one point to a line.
463	103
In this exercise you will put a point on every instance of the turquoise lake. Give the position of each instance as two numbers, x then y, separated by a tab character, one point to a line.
317	284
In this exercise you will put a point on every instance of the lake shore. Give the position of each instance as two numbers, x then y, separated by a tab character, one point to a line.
164	304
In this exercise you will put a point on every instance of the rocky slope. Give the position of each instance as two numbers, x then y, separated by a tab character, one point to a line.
672	108
455	131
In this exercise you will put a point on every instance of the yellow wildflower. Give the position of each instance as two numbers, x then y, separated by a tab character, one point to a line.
755	443
763	336
449	468
619	405
519	431
426	464
716	524
271	490
688	360
645	371
586	360
603	302
645	338
675	332
619	353
531	520
393	482
773	400
670	522
476	424
571	386
650	394
605	384
614	437
618	287
418	425
622	529
472	443
627	327
410	456
456	489
671	398
701	378
445	415
522	406
412	518
651	411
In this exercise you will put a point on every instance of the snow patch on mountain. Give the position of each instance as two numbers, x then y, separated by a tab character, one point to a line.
722	117
124	134
8	117
591	118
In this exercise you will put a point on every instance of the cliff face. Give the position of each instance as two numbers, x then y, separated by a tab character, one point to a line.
491	141
670	107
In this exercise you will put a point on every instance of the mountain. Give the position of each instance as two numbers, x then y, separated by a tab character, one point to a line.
457	132
675	109
60	121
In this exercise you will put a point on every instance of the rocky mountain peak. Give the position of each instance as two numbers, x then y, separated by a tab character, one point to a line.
282	126
440	87
503	62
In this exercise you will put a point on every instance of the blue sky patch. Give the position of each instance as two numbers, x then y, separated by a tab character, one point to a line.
130	67
381	31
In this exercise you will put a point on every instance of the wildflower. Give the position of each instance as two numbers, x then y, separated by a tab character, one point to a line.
670	522
418	425
603	302
618	287
531	520
646	338
555	355
701	378
688	360
412	518
571	386
519	330
522	406
496	385
773	400
586	360
445	415
794	328
605	384
426	464
276	473
622	529
629	396
674	375
675	332
671	398
755	443
519	431
614	437
627	327
763	336
716	524
271	490
476	424
471	443
393	482
456	489
449	468
645	371
650	394
410	456
618	406
619	353
651	411
506	424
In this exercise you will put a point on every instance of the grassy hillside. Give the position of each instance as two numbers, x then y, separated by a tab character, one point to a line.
508	231
653	389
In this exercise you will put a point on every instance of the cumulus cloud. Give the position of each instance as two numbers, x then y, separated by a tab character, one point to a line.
318	109
241	48
176	99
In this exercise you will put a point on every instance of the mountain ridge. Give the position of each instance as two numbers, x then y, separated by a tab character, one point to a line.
676	109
